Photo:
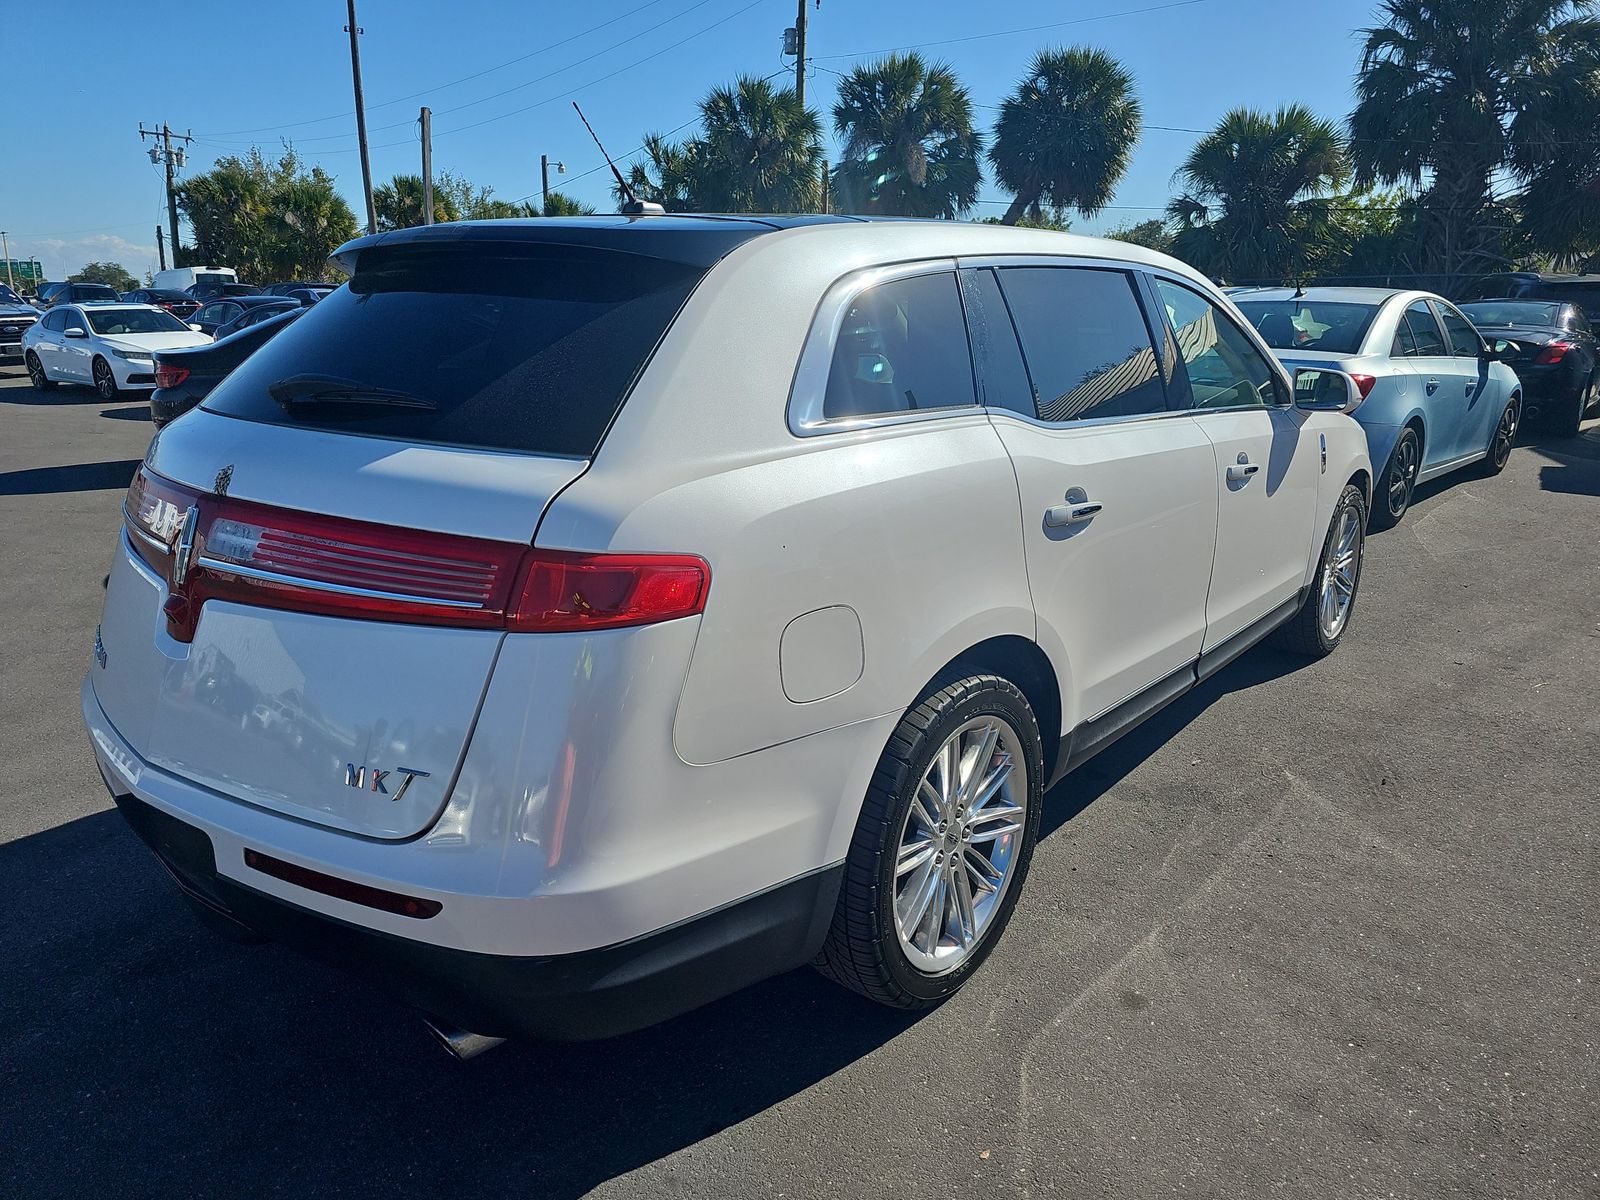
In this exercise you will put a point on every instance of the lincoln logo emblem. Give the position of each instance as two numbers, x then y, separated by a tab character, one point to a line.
372	780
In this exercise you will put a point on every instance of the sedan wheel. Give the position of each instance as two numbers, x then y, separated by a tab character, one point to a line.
1505	436
36	376
1399	479
104	381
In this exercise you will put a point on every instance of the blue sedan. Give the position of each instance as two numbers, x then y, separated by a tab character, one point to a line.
1435	396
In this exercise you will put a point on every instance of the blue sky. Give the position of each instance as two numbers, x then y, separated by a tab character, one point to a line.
241	74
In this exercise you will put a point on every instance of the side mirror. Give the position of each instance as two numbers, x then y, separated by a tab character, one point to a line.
197	328
77	333
1317	389
1499	350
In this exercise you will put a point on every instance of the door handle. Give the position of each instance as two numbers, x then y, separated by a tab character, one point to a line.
1433	386
1070	514
1238	472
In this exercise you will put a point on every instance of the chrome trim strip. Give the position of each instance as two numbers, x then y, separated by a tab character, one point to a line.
221	566
148	539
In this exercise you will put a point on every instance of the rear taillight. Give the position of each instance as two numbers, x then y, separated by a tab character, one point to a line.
279	558
169	376
1365	384
1553	353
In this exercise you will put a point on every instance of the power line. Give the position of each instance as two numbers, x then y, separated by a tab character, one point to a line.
511	62
1131	12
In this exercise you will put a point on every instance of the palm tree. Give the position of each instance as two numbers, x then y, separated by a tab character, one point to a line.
399	203
909	146
559	204
1065	137
763	149
673	175
1456	91
1255	193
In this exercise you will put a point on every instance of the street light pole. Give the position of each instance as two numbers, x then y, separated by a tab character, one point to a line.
10	282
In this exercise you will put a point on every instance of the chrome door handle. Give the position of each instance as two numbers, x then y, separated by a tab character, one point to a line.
1433	386
1241	471
1070	514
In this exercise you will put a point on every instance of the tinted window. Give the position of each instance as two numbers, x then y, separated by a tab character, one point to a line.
55	320
1002	378
1419	333
1225	369
901	348
1577	320
1310	324
93	291
73	320
1511	312
1586	294
211	312
1086	342
1464	339
135	320
526	348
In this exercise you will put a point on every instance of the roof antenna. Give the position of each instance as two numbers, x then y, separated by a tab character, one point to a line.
633	206
1299	289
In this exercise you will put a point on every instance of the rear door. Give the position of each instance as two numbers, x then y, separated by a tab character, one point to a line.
1266	468
1443	384
1119	494
303	612
1469	367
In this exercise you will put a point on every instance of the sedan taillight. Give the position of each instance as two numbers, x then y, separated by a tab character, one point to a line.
215	548
1365	384
1553	353
169	376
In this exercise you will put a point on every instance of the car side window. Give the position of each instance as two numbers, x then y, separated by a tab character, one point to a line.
74	321
1002	376
1464	339
1425	339
1405	341
1086	343
902	347
1225	369
211	312
1577	321
54	321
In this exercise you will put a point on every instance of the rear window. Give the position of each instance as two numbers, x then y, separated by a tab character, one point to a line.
528	348
1513	312
1310	324
94	291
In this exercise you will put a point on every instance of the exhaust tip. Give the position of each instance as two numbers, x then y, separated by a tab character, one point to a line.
459	1042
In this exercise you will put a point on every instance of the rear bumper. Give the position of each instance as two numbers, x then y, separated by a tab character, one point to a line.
591	994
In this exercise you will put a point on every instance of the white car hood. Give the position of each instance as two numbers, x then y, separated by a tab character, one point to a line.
155	341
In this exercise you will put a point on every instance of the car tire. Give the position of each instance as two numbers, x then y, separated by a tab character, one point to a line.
1566	420
917	825
105	380
1392	496
1314	630
1503	438
36	376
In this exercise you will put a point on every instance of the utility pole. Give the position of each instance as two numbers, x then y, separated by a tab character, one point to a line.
800	55
161	249
825	179
10	282
544	178
171	159
427	165
354	31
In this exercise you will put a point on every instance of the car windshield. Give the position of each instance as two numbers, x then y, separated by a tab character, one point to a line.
1513	312
1310	324
8	296
513	347
134	320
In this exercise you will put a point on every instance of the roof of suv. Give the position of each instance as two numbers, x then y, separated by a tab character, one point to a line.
1329	295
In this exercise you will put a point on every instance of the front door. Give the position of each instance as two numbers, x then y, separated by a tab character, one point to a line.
1267	467
1118	494
74	355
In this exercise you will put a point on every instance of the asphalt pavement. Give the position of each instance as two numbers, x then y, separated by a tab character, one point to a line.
1320	930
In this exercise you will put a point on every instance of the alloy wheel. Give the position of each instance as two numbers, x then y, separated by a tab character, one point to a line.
1340	570
36	373
1505	435
959	845
1403	476
104	381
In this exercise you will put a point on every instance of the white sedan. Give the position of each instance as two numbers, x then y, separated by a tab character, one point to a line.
106	346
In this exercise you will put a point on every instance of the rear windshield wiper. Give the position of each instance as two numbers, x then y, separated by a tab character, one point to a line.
306	390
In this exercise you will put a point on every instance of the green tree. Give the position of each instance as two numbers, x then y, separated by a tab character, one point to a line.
266	219
758	150
1255	194
561	205
399	204
1152	235
909	146
113	273
1066	135
1458	92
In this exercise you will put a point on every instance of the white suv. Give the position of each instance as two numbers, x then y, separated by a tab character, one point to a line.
569	622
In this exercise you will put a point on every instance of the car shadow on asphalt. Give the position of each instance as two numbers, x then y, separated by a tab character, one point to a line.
133	412
77	477
141	1054
1575	468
